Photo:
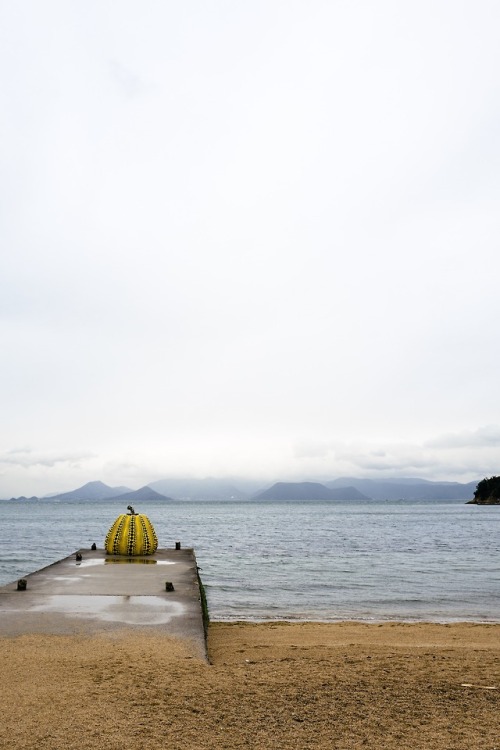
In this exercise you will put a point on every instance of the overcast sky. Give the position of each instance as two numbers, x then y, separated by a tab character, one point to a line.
248	238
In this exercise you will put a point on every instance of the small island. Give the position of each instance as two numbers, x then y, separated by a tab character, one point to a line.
487	492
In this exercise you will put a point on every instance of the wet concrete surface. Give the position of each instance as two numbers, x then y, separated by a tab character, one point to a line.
101	592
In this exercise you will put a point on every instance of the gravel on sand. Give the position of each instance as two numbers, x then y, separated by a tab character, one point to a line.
275	685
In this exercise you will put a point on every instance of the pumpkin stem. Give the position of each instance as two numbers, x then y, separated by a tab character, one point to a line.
132	511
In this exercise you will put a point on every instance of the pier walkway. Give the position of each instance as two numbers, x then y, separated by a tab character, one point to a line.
102	592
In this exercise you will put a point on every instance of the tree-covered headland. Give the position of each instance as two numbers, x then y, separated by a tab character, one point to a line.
487	492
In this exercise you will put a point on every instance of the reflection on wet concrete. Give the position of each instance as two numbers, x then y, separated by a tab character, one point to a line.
112	560
129	610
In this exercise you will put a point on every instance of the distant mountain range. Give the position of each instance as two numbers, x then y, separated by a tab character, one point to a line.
205	489
407	489
96	491
309	491
144	494
344	488
91	491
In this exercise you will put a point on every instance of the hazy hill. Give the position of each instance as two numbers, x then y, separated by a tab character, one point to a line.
23	498
344	488
407	488
308	491
199	489
142	495
92	491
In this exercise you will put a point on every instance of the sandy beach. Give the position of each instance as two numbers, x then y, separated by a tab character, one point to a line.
277	685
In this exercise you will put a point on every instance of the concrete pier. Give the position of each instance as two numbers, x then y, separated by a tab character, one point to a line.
101	592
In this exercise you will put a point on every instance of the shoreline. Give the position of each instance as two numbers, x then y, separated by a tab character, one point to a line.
349	620
303	686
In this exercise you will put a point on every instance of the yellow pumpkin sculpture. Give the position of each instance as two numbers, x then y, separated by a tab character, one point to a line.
131	534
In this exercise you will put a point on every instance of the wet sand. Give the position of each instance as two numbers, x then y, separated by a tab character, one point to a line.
276	685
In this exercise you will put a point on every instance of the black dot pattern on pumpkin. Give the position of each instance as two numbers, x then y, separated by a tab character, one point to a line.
117	535
155	538
147	541
132	535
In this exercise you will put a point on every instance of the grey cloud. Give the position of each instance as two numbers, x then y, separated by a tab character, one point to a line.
27	458
405	459
310	448
480	438
397	460
126	80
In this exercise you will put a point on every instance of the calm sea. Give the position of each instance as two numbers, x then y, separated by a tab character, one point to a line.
404	560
